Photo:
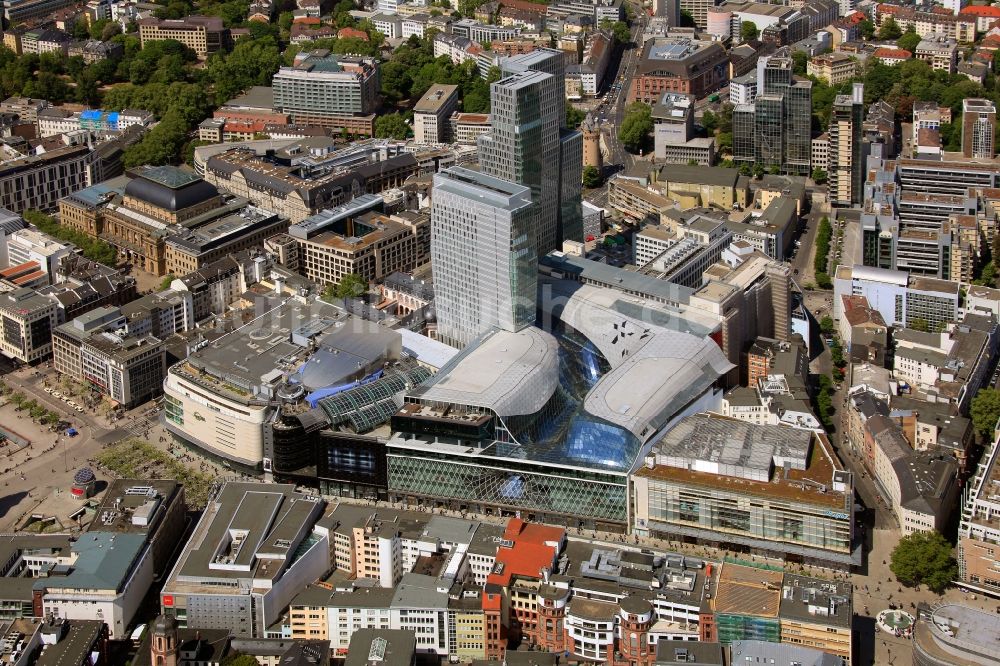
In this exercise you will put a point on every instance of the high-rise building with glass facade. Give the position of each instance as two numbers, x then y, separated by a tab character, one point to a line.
776	130
979	123
483	253
798	127
769	131
847	149
744	137
529	143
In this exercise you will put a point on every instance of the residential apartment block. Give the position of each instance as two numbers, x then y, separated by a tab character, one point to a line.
961	27
204	35
978	532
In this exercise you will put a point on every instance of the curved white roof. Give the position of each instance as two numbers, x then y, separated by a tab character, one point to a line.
510	373
656	371
859	272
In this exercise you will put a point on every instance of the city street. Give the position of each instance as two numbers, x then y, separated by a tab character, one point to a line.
616	97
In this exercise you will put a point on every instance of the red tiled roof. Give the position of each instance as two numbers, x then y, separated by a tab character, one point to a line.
20	269
30	277
529	548
491	601
352	33
534	532
526	560
525	5
299	30
981	10
858	311
243	126
307	20
886	52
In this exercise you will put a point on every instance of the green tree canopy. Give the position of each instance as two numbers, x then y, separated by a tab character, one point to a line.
93	249
351	285
800	62
909	40
591	177
636	127
867	29
748	31
251	63
618	29
924	557
890	29
391	126
819	175
710	122
826	325
574	116
985	411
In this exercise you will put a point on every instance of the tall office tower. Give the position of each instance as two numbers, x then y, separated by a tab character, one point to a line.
979	123
483	253
774	74
780	278
570	226
744	136
671	9
523	146
780	129
529	143
798	128
847	148
769	130
546	61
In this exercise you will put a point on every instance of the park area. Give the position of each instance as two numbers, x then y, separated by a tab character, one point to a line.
138	459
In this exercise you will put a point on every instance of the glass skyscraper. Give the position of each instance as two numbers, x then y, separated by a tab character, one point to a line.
776	131
483	253
530	145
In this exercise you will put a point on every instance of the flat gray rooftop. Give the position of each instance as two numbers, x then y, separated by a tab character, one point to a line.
733	448
248	527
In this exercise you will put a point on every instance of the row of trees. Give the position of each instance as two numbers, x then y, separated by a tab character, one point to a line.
821	263
93	249
36	411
